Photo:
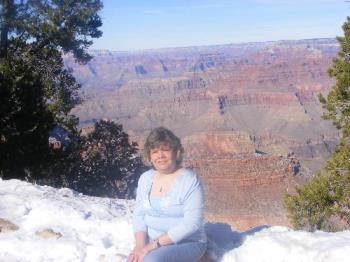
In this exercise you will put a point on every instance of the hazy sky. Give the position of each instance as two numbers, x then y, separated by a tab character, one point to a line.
145	24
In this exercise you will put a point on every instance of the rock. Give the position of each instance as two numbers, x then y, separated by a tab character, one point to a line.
48	233
7	226
246	192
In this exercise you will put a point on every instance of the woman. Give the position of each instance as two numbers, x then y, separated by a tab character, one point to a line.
168	219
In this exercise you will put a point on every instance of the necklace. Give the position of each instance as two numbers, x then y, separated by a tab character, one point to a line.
165	182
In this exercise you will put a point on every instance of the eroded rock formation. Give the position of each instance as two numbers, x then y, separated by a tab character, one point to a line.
248	115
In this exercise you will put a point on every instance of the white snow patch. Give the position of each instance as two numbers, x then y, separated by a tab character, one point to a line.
99	229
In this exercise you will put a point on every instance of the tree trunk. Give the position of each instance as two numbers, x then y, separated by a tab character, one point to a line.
7	12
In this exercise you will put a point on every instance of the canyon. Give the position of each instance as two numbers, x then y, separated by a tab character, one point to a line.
248	115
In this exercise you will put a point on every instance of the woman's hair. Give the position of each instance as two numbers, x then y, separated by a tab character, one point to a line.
162	136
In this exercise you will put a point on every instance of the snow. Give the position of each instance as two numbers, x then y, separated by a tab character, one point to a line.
278	244
92	228
99	229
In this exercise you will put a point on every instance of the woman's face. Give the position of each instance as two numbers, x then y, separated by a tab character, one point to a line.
163	159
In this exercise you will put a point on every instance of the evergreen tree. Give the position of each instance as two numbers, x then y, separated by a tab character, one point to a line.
37	91
324	202
25	121
109	164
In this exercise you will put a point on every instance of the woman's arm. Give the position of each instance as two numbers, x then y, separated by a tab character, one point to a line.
138	221
140	239
193	211
139	250
139	225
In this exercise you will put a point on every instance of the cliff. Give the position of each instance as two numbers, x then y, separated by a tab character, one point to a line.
241	111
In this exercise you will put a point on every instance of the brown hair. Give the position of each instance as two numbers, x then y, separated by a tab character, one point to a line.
162	136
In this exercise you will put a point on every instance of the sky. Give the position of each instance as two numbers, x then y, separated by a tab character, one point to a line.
148	24
66	226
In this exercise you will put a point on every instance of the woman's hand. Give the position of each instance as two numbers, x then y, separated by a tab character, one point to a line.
138	253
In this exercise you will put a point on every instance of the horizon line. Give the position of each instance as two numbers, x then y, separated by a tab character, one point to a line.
212	45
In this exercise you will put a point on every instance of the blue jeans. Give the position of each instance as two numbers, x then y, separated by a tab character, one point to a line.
181	252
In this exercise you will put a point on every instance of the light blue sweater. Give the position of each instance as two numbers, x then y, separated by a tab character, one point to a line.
179	213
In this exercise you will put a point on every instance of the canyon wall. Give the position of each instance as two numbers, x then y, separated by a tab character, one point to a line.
248	115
